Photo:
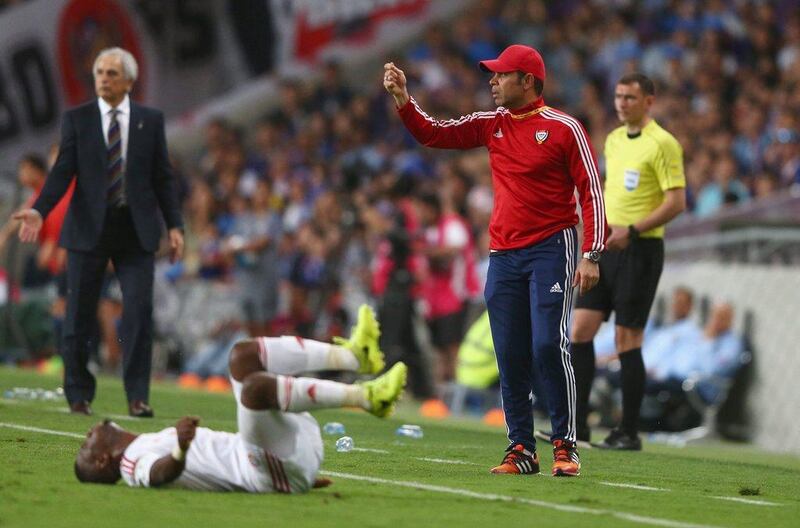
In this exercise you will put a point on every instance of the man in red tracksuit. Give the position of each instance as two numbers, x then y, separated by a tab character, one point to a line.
538	156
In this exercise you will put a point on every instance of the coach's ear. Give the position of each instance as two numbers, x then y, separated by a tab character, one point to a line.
322	483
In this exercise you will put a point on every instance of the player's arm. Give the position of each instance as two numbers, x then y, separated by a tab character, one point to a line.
674	204
466	132
169	467
583	169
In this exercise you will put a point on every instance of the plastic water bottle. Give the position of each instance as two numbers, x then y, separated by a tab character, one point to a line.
344	444
333	428
25	393
410	431
17	393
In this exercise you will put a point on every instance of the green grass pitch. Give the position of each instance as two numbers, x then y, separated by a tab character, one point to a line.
439	480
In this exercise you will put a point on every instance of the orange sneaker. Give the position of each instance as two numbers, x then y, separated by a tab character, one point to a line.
518	461
566	462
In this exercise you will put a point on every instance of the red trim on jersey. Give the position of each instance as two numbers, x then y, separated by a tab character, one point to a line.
279	481
127	465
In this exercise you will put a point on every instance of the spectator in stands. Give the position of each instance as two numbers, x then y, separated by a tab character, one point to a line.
716	351
707	357
725	188
660	346
252	246
449	279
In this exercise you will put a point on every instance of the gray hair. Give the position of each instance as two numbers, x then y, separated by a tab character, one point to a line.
129	66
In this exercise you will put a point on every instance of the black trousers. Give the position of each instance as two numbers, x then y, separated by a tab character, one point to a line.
134	268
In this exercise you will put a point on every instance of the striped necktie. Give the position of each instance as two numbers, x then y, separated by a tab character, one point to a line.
116	187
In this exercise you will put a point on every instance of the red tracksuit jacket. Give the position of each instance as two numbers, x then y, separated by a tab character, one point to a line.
538	157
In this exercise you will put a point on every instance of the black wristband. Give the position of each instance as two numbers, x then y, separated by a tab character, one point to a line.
633	233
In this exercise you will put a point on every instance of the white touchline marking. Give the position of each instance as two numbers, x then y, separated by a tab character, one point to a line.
368	450
632	486
749	501
641	519
446	461
40	430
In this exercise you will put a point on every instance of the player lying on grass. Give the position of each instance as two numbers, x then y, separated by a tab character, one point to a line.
278	447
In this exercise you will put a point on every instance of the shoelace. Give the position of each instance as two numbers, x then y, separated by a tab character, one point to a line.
514	455
562	452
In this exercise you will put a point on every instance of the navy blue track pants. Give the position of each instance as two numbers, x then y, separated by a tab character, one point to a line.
529	296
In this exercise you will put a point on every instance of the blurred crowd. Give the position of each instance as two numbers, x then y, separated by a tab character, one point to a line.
326	202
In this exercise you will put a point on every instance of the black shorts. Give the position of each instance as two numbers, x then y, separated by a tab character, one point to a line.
447	330
628	283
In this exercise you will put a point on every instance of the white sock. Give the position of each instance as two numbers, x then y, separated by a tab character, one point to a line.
305	394
292	355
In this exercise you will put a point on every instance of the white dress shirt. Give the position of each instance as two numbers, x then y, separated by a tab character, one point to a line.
123	118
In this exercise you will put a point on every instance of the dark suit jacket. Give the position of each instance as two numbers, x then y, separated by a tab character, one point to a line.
149	181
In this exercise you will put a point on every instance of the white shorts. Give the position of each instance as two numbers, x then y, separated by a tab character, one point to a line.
291	442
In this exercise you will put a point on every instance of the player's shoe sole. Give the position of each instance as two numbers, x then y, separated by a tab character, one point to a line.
383	392
571	471
363	342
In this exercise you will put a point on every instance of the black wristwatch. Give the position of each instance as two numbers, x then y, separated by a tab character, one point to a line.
592	256
633	233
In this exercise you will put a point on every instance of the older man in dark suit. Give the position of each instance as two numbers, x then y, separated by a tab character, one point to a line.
117	152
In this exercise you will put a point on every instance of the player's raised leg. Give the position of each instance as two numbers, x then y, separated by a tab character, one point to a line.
266	391
292	355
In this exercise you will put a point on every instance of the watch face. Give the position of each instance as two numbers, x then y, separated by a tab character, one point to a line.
594	256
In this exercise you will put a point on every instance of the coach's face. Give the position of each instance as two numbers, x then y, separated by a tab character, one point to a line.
110	81
508	90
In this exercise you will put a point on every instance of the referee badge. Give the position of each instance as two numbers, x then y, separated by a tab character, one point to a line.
541	135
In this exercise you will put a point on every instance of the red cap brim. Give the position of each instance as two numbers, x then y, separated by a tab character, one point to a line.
495	66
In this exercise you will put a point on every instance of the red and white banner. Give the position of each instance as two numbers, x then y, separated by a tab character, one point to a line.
348	30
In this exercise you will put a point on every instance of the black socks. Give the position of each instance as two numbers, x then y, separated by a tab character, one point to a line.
633	379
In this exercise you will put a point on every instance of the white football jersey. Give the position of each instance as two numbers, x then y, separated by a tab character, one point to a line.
216	461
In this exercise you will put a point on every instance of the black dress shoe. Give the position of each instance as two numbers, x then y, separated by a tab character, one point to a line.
80	407
139	409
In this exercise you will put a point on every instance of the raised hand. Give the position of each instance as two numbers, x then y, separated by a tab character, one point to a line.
186	428
394	80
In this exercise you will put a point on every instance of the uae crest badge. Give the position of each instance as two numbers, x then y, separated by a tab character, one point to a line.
541	136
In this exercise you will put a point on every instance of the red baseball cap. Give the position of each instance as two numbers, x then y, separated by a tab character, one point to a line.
516	58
